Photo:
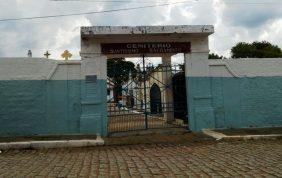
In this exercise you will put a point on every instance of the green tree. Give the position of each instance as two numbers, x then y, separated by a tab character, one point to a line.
119	71
215	56
256	49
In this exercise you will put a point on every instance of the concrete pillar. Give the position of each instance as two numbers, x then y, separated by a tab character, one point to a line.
93	118
168	105
198	89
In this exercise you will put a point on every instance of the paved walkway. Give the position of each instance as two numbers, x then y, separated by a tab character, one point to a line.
178	159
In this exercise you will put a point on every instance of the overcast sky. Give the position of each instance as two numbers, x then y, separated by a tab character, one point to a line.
234	21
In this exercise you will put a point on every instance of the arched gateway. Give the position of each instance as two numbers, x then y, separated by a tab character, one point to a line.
100	43
155	99
180	96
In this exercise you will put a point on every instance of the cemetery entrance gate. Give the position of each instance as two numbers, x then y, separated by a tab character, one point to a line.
146	99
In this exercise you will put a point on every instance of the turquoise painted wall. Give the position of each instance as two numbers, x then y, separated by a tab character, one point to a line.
52	107
93	117
222	102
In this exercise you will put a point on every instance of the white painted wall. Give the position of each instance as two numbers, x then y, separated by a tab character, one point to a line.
250	67
39	69
94	64
246	67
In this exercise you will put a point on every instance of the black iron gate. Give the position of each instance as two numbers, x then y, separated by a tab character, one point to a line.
145	100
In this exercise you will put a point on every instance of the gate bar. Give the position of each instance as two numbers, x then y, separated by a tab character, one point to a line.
145	92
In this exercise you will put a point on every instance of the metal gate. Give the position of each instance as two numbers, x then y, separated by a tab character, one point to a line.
145	101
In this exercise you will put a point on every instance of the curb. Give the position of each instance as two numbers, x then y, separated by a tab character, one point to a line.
171	131
219	136
52	144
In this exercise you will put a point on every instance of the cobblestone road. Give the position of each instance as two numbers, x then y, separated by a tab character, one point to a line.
204	159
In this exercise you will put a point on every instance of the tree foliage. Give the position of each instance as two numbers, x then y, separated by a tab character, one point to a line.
119	71
256	49
215	56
